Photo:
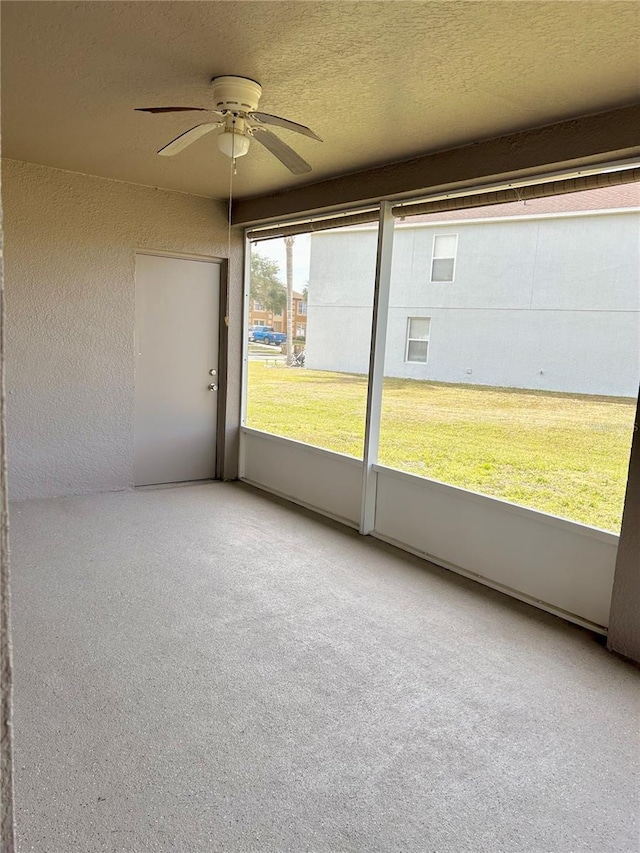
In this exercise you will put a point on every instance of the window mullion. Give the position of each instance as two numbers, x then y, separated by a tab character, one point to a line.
376	366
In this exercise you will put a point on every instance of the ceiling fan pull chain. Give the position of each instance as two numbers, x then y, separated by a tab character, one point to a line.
233	154
232	172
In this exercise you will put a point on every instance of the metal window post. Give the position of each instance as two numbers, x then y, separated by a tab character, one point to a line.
376	366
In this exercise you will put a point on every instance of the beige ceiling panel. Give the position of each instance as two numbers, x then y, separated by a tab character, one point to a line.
378	81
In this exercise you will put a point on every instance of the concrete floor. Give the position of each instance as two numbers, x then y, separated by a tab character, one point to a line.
208	669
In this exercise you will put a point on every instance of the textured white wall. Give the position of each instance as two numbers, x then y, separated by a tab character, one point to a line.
70	243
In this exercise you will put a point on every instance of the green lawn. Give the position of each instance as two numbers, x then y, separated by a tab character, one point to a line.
566	454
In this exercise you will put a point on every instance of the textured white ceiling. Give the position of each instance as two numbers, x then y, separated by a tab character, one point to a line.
379	81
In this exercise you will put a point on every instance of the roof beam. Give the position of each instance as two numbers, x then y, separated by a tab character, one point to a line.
583	141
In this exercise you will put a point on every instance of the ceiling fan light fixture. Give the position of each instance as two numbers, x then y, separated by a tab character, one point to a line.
233	144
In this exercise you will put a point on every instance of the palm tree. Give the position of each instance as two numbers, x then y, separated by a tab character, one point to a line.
288	242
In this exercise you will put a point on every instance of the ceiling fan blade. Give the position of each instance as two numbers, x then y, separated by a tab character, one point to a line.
284	122
180	142
283	152
172	109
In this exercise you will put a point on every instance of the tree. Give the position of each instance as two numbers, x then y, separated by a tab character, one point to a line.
265	286
288	242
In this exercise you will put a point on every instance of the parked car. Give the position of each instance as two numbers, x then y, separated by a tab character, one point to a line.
266	335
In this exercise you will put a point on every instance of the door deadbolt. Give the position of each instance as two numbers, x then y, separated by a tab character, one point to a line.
213	387
213	372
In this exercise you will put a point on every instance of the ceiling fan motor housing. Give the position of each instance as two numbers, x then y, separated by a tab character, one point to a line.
236	94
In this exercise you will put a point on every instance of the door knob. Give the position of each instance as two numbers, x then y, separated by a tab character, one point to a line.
213	387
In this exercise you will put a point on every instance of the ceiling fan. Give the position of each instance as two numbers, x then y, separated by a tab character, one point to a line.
236	101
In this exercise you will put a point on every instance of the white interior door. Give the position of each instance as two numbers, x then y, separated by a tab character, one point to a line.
177	306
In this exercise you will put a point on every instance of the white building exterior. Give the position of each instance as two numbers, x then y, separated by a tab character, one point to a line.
546	300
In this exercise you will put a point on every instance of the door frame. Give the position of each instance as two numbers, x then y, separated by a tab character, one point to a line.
223	343
223	365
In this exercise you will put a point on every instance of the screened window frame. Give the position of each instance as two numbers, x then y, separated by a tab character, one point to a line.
433	280
384	213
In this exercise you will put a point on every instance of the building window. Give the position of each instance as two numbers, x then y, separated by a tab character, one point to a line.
301	331
418	331
258	306
302	307
444	257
